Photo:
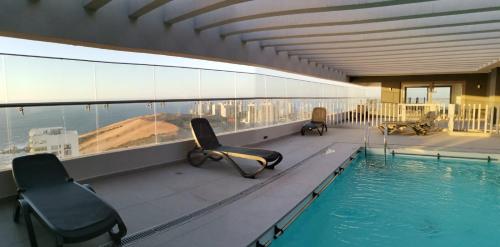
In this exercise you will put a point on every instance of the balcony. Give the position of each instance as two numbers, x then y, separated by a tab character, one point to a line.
182	205
410	90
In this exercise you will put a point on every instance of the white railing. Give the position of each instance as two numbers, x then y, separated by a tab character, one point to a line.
473	118
478	118
374	113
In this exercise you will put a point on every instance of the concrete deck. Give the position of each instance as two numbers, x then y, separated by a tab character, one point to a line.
213	205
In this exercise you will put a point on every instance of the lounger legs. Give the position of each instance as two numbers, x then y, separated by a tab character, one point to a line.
217	156
27	218
277	161
17	212
320	131
191	157
243	173
59	241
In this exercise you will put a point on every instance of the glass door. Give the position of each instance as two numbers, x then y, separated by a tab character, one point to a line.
416	95
441	95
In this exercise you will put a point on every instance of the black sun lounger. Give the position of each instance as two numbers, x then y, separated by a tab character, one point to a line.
207	146
71	211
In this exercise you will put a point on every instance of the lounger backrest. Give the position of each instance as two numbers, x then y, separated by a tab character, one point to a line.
319	115
204	134
38	170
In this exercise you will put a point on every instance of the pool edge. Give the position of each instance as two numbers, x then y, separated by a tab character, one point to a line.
278	228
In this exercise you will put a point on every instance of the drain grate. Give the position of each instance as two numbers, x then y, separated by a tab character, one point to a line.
164	227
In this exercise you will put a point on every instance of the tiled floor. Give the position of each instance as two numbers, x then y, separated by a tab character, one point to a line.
165	193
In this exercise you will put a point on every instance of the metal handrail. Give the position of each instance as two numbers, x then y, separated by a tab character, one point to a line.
108	102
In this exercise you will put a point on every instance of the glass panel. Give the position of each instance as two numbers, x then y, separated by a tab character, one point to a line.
416	95
250	85
298	109
294	88
177	83
82	119
31	79
217	84
251	114
40	130
310	89
441	95
124	82
280	111
276	87
221	114
3	86
5	152
125	125
173	120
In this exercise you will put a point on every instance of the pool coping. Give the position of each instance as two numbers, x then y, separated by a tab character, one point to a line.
278	228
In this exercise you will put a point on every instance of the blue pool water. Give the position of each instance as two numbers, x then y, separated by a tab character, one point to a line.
407	201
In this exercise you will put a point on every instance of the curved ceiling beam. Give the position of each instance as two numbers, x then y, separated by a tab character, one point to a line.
410	63
392	50
418	61
364	21
428	58
409	72
471	51
384	39
94	5
139	8
393	68
305	7
192	8
385	45
460	24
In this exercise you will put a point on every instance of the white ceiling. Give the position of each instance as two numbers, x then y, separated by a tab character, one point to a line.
358	37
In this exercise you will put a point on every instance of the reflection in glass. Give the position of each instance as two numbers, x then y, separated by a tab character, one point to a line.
173	120
124	125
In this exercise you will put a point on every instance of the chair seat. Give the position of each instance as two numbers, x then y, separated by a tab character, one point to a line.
311	125
76	210
266	154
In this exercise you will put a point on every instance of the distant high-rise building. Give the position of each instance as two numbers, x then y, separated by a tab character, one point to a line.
56	140
267	114
251	117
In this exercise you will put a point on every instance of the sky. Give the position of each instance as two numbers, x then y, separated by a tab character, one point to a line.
41	79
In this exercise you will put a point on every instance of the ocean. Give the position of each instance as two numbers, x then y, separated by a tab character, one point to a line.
81	118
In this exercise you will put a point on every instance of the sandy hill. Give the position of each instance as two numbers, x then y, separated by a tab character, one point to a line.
126	133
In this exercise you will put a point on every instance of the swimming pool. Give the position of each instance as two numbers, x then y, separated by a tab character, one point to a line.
404	201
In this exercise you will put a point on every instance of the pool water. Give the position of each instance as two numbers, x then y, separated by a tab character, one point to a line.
405	201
